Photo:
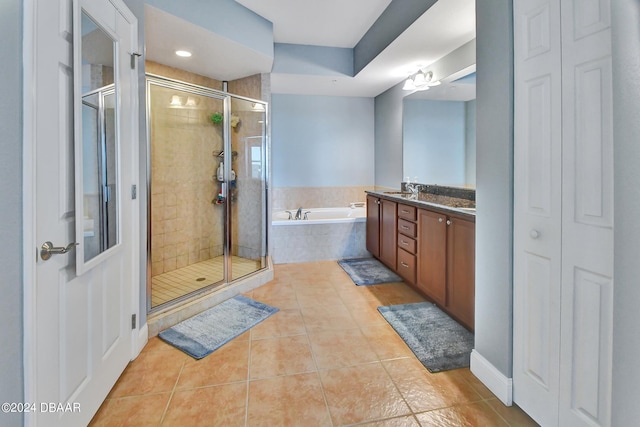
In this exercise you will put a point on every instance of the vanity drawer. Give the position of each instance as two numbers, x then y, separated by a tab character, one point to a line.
406	267
407	228
407	212
407	244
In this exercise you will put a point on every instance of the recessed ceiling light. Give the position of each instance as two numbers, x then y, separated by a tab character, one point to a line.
183	53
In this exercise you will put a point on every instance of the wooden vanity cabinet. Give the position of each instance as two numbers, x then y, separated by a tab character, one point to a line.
388	225
431	250
461	283
446	266
381	230
406	266
432	247
373	226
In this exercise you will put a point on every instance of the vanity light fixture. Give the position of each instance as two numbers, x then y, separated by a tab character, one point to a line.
183	53
420	81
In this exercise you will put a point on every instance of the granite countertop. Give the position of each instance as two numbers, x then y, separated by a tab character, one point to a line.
440	202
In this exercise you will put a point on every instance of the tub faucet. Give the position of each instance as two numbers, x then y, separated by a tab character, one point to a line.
299	213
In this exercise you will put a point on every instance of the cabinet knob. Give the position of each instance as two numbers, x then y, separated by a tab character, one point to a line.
448	222
378	201
534	234
440	219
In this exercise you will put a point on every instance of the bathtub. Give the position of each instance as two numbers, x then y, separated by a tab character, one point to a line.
321	216
327	234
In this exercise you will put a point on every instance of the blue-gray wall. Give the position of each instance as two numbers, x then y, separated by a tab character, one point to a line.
396	18
226	18
322	141
470	142
625	19
433	141
315	60
11	367
494	183
388	137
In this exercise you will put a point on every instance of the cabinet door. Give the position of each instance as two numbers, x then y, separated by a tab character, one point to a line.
388	227
432	252
461	254
373	226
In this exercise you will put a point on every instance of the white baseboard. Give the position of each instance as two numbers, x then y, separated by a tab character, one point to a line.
495	381
143	337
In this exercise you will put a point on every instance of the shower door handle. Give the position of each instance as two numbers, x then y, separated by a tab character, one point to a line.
48	249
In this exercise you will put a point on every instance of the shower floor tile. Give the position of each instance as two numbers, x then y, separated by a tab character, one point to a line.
174	284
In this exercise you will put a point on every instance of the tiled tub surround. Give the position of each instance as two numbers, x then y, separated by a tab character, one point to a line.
325	197
318	240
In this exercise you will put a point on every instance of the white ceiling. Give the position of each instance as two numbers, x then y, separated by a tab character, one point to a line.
446	26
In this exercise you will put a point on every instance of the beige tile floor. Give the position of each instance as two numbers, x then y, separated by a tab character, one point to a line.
174	284
327	358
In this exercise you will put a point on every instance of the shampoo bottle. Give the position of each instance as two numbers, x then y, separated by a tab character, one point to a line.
221	172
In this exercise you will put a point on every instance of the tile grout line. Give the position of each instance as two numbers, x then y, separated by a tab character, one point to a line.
248	381
175	386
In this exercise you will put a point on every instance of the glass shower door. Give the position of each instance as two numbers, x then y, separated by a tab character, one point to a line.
247	193
187	211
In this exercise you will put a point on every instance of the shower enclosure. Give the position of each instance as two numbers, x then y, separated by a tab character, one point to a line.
207	187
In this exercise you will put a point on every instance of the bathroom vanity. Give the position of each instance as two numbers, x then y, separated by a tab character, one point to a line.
429	240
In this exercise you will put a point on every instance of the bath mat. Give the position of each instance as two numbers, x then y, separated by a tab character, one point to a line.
438	341
203	333
368	271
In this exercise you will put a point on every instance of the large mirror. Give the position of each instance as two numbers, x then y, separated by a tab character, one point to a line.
438	134
96	145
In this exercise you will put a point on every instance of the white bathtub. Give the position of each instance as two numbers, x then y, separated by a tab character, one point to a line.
327	234
321	216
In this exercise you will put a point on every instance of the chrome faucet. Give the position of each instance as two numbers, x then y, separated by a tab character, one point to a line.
299	213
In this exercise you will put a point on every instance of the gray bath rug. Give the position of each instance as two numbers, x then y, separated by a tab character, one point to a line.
368	271
438	341
202	334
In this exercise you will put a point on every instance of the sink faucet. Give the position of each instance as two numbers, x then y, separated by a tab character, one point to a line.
299	213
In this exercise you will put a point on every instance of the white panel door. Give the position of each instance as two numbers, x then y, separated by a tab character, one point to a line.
563	245
587	211
78	329
537	208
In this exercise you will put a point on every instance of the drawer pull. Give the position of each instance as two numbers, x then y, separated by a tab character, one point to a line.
404	227
404	265
403	243
405	211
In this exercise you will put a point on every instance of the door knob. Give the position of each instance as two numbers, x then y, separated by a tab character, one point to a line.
534	234
48	249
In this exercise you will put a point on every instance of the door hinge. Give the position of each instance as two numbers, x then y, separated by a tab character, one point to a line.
133	321
134	192
133	59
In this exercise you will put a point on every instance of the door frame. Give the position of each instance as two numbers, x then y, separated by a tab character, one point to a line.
29	197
